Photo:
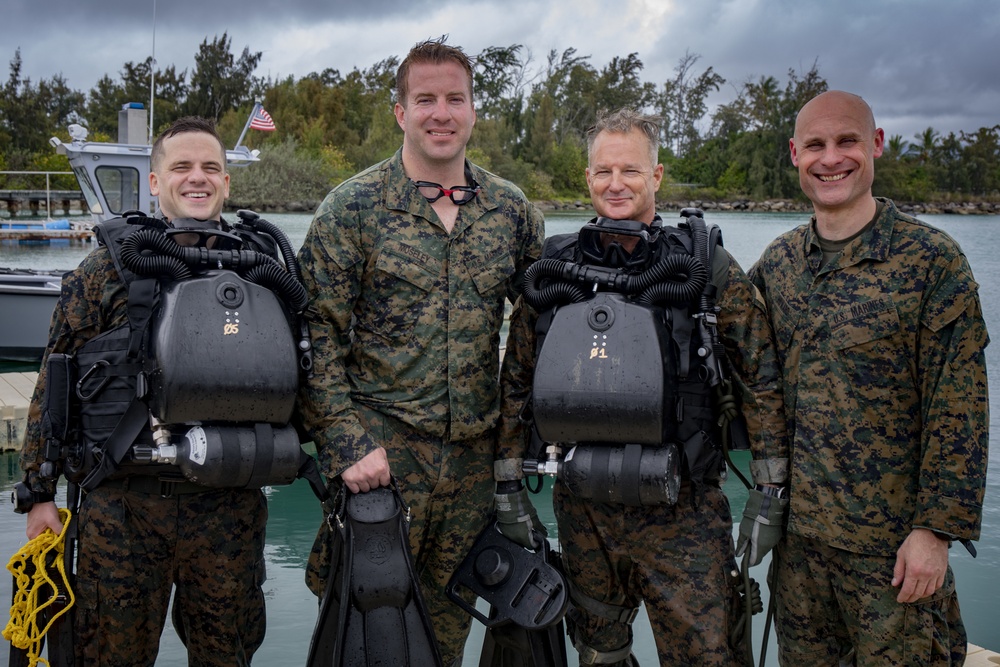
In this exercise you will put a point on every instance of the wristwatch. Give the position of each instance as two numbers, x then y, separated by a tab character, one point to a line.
773	491
24	498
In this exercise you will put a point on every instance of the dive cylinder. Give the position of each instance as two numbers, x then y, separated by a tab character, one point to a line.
624	475
228	456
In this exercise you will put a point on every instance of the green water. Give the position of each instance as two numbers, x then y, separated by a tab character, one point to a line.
294	513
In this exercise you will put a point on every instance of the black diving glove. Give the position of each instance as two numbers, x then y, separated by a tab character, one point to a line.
763	523
516	516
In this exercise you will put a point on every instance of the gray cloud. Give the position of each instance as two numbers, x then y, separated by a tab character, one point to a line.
920	63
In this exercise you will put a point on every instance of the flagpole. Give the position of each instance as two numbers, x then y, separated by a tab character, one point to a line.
246	127
152	76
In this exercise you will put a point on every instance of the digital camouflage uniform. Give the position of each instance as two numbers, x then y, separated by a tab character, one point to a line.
674	558
133	545
405	325
886	398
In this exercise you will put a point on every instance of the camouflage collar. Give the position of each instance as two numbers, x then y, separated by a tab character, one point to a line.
874	244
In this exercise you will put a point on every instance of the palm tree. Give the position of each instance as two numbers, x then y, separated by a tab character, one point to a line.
895	148
926	146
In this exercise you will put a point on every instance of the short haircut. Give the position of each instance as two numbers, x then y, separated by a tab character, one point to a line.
435	52
624	121
181	126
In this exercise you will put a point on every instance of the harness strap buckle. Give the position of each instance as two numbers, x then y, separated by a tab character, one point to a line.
591	656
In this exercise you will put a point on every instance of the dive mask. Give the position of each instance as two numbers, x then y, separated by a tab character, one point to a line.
191	232
602	243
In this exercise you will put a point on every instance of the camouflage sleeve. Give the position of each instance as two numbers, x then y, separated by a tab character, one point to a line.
519	354
746	334
530	238
954	406
332	262
515	382
32	449
87	292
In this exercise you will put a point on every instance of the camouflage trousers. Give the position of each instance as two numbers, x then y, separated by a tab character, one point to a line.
448	486
134	547
830	602
674	559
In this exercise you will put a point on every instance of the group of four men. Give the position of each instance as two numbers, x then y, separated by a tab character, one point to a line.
855	345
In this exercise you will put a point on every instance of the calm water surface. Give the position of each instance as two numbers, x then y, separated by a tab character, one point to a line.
295	514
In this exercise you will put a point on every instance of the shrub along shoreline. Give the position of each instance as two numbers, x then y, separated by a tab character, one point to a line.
766	206
787	206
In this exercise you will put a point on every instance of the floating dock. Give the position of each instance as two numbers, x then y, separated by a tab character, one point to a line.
15	395
46	234
980	657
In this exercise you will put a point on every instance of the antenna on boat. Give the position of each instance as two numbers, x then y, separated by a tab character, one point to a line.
152	76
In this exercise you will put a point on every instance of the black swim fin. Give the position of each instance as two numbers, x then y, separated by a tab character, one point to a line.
528	597
372	613
511	645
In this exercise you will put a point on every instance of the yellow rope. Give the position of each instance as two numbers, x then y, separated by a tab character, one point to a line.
22	630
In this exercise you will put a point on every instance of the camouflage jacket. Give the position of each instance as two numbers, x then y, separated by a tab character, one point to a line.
885	383
405	317
745	333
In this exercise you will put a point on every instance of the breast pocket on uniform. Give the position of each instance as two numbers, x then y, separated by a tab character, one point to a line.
402	281
490	276
869	342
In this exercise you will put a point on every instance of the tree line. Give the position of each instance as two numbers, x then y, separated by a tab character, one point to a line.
532	120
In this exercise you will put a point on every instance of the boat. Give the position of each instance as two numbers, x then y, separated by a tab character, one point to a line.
114	179
28	297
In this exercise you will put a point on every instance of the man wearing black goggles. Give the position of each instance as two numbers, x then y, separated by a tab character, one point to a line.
619	244
458	194
598	365
407	280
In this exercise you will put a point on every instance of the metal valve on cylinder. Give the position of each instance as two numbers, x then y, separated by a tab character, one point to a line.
231	456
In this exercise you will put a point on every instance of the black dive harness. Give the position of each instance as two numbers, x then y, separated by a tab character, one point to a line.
628	363
197	389
631	376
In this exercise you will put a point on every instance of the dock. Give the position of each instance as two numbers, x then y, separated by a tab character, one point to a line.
981	657
34	231
43	200
37	235
15	395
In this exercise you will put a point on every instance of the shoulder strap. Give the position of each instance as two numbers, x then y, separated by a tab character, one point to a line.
141	291
557	246
109	235
118	443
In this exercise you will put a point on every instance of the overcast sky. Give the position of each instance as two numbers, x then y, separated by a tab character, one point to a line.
919	63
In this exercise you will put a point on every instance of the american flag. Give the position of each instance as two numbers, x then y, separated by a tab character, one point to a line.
262	120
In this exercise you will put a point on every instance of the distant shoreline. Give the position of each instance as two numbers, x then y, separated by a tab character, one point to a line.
787	206
583	205
745	205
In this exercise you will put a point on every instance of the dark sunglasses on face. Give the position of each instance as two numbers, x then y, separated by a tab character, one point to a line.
458	194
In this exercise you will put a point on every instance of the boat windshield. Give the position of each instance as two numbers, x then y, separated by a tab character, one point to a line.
120	186
93	202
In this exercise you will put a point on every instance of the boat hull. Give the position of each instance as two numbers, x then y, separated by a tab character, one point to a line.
27	300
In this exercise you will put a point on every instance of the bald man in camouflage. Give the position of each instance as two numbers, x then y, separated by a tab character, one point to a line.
881	336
